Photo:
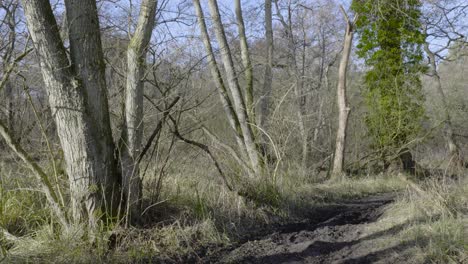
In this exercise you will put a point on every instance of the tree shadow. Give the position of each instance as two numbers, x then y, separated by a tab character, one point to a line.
320	251
384	253
339	214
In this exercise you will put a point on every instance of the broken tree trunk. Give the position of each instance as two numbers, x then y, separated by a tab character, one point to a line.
343	108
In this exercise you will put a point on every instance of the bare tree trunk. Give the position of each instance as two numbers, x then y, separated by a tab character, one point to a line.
267	83
304	137
133	130
216	73
93	183
246	62
300	93
319	122
239	104
454	149
10	20
9	106
88	62
343	109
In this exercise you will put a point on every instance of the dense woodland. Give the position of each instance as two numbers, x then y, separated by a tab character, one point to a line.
158	131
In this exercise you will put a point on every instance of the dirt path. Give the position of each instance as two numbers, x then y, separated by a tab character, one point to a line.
335	234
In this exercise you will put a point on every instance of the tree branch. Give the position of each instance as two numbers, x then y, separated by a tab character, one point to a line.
157	129
203	147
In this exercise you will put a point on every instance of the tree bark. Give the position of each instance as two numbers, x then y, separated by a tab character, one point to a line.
454	149
131	143
246	62
10	21
218	79
87	61
268	78
67	83
238	101
343	108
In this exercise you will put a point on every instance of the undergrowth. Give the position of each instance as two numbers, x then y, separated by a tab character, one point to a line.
192	214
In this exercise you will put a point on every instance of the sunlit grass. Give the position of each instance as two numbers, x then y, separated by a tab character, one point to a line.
195	211
433	217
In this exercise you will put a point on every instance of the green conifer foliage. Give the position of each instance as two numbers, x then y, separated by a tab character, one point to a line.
390	43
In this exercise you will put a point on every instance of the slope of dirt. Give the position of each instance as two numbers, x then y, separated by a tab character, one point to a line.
335	234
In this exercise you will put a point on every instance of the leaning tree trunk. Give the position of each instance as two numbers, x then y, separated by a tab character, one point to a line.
343	109
69	84
245	56
133	131
454	149
239	104
218	79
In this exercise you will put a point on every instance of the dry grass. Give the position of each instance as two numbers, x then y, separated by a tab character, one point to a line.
431	219
195	212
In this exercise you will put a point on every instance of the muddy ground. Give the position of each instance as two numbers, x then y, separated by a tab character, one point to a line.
332	234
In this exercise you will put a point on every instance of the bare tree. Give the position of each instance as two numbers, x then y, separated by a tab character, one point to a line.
298	77
8	50
219	82
236	92
246	123
268	78
131	142
343	108
441	23
77	92
454	149
246	62
78	100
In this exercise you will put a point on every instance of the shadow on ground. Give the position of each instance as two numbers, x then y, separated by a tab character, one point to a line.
340	238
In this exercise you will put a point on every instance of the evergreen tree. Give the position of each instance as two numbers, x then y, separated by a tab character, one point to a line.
391	45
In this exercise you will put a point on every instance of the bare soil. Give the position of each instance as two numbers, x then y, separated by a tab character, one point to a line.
332	234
